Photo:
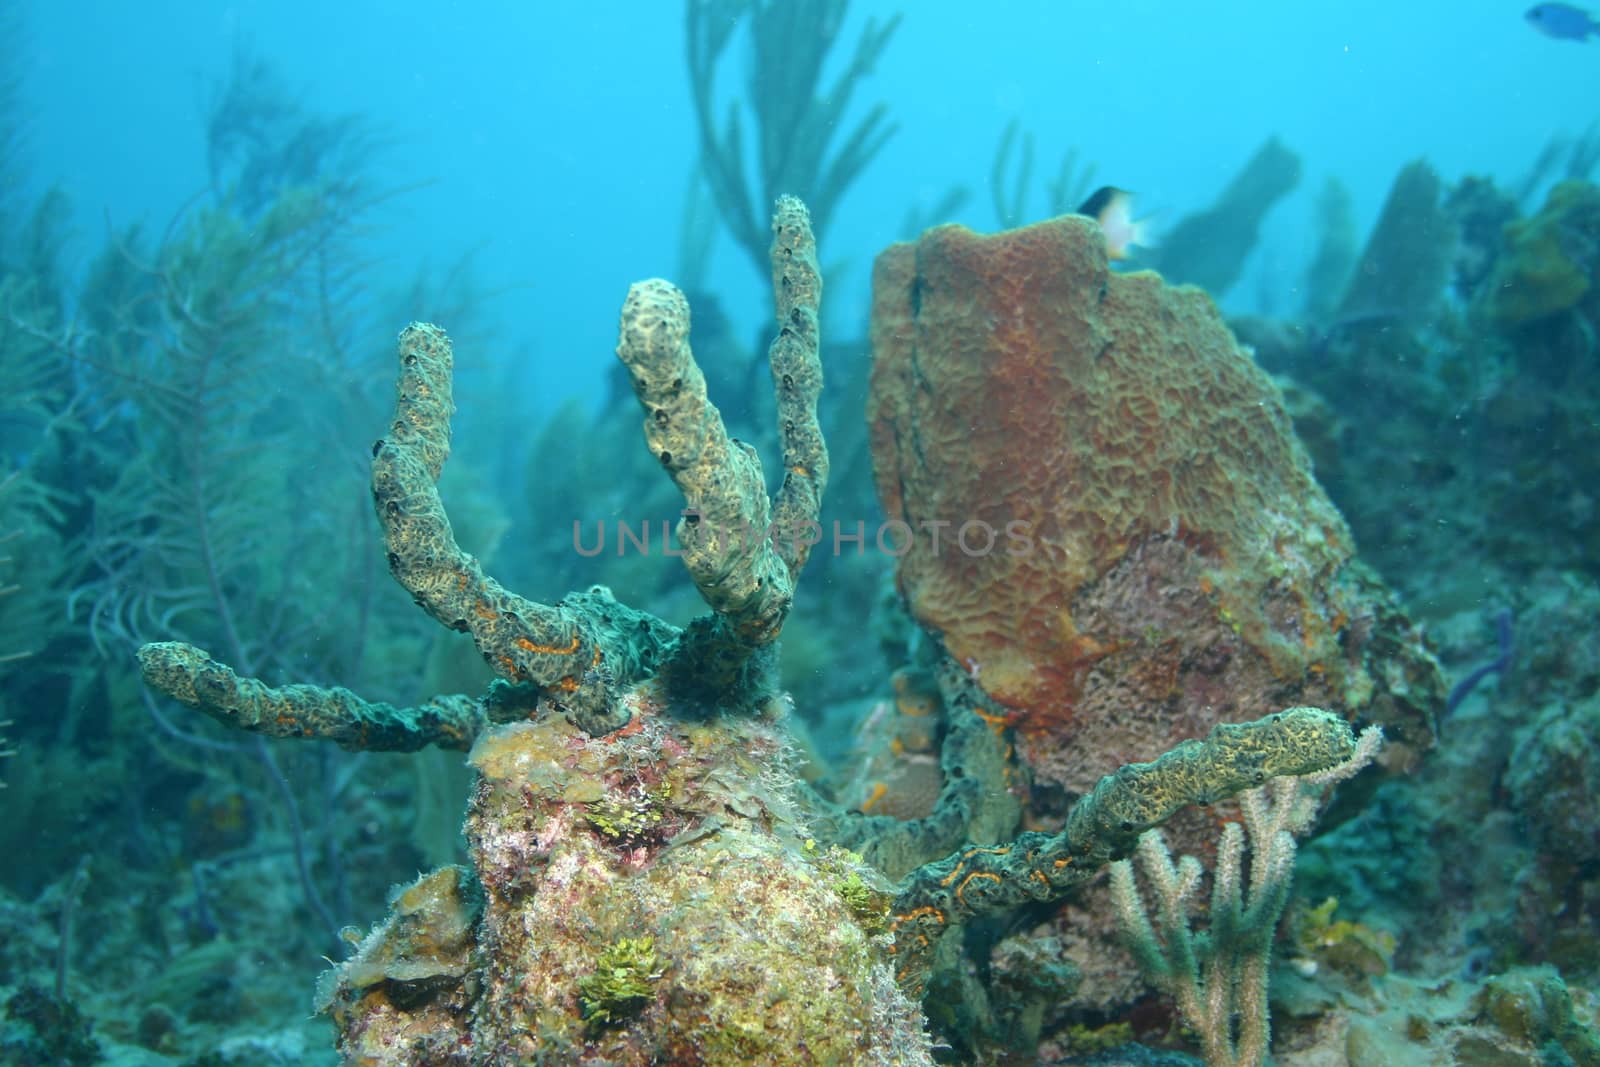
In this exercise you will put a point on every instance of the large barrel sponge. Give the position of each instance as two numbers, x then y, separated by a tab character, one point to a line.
1162	558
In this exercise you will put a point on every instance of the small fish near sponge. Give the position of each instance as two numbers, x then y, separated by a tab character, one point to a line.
1112	208
1116	532
1550	262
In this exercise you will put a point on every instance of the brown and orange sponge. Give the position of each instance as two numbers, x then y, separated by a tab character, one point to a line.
1110	523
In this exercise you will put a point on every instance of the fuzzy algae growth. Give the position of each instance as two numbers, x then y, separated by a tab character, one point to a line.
1549	258
624	979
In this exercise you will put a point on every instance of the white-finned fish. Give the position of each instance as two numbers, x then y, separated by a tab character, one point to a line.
1112	208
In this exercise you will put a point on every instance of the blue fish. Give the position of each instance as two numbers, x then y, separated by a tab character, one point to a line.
1563	22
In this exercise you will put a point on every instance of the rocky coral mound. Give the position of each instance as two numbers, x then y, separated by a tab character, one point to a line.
644	897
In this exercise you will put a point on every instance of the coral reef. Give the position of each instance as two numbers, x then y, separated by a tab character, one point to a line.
646	880
1118	554
1415	410
667	857
1463	434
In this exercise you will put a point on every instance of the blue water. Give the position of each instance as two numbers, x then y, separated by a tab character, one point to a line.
557	141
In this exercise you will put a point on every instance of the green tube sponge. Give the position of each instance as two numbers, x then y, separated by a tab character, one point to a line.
191	677
1105	824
